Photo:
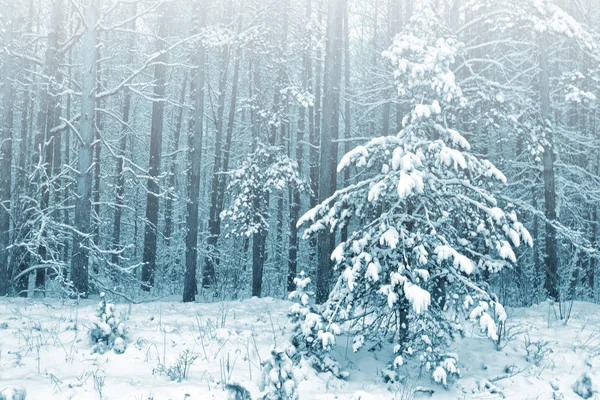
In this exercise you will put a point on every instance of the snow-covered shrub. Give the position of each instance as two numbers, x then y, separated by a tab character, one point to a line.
536	350
430	227
265	171
583	386
312	335
235	391
107	331
277	377
180	370
13	392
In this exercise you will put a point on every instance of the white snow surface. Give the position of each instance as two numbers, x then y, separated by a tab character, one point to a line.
43	353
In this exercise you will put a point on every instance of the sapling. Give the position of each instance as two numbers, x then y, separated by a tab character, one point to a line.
107	331
277	377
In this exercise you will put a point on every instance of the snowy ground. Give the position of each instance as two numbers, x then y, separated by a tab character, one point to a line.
44	347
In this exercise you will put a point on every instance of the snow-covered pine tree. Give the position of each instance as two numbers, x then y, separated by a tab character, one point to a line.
277	377
429	225
107	331
265	171
312	335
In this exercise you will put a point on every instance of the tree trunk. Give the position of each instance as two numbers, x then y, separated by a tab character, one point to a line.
120	167
152	198
258	261
552	282
295	191
97	152
315	139
48	118
173	170
230	125
83	205
120	184
329	135
347	120
214	222
6	154
190	288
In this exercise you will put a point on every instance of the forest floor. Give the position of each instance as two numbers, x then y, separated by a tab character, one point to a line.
45	348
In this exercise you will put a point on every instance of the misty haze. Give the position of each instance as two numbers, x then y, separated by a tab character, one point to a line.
299	199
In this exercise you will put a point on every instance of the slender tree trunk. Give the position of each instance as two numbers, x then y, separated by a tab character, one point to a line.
315	142
120	184
67	140
173	170
49	115
258	261
6	154
120	167
295	191
20	257
347	116
96	221
83	205
552	282
328	156
230	125
190	288
214	222
156	134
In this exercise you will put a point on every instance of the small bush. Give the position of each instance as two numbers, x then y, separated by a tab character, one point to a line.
179	371
107	331
277	378
312	335
537	350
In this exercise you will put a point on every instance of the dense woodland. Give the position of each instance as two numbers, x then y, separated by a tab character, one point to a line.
172	146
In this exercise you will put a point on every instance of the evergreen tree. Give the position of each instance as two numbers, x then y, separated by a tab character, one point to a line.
429	226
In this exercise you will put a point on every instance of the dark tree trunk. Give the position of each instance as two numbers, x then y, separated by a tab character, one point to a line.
315	139
214	221
152	198
329	135
295	191
120	189
230	125
172	172
120	167
190	288
6	154
97	152
258	261
347	116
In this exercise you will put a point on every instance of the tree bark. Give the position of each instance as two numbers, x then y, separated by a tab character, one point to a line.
83	205
156	134
552	282
295	191
329	135
6	154
347	120
214	222
49	116
190	288
315	139
173	170
120	167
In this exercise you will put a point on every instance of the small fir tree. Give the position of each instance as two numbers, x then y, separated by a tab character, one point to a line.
277	377
107	331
